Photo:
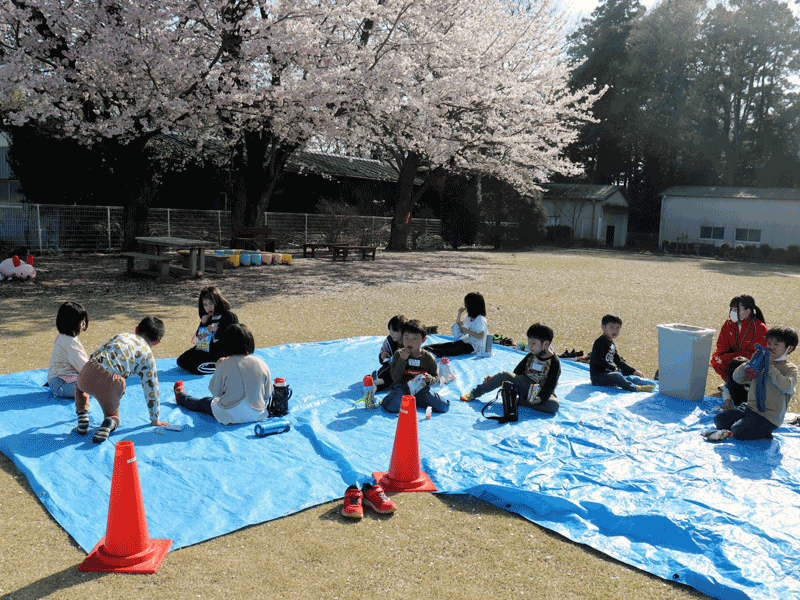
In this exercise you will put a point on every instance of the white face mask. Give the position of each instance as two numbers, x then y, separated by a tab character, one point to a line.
735	316
785	354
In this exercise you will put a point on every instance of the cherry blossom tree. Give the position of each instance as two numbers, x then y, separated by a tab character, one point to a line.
475	87
96	71
457	85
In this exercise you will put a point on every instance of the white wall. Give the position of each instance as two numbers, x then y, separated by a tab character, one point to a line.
778	220
580	214
577	215
620	223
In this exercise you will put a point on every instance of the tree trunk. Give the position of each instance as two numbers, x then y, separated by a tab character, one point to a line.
255	170
135	170
401	220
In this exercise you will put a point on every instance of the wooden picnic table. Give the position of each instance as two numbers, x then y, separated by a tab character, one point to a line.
156	246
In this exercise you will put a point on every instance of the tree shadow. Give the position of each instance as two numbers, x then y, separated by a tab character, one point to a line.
739	269
101	278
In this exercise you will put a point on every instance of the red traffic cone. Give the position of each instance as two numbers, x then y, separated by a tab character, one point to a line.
127	547
404	471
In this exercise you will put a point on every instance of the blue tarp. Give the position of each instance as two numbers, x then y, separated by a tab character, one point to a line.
625	473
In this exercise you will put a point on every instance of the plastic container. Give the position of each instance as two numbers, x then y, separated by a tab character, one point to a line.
245	259
683	355
255	258
446	374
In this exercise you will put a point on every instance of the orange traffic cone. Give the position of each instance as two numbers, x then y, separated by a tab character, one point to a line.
404	471
127	547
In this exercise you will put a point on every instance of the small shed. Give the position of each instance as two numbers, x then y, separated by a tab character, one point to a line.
598	212
733	215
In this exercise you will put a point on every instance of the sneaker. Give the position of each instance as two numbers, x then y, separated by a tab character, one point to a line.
717	435
466	397
645	388
352	508
377	500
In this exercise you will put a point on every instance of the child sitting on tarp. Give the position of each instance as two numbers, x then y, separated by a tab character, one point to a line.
535	377
69	355
417	367
103	377
241	384
773	382
382	378
606	366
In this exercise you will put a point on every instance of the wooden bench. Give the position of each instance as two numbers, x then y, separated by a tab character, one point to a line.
311	248
340	251
219	261
154	260
257	237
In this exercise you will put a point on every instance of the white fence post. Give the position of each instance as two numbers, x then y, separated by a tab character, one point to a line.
39	226
108	226
219	227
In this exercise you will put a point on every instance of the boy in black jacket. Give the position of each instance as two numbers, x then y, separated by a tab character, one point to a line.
606	366
534	378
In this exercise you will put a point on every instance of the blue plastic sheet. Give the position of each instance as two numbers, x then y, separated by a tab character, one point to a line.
625	473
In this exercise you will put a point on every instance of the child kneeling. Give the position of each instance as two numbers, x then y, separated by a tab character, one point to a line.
409	362
540	368
241	385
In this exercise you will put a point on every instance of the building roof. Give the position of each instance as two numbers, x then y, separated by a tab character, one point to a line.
318	163
340	166
582	191
696	191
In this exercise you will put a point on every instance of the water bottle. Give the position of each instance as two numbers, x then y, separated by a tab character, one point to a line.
279	403
271	427
446	374
369	393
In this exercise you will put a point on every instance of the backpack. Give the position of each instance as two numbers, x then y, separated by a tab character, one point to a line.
510	403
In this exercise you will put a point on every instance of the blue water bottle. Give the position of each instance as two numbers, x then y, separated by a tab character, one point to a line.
271	427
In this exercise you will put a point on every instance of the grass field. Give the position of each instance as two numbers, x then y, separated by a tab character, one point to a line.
435	546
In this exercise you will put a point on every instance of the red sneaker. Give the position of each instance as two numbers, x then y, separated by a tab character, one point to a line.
377	500
352	503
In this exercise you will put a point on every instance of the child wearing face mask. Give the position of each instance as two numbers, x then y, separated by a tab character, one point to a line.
736	344
771	389
540	369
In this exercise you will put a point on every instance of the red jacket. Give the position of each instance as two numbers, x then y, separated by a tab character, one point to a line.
732	343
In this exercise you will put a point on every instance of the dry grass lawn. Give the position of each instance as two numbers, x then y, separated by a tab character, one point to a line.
435	546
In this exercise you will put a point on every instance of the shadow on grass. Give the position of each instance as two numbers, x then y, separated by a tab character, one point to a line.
52	584
739	269
99	280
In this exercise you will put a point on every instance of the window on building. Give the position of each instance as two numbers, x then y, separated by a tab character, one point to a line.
748	235
712	233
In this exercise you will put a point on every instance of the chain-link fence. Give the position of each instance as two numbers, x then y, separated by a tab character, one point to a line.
62	228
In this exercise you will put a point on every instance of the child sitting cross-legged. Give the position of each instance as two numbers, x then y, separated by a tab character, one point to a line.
534	378
409	363
606	366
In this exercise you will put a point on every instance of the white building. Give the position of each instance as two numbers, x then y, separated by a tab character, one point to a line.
598	212
737	216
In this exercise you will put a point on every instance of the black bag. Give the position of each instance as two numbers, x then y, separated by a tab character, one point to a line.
510	403
279	402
